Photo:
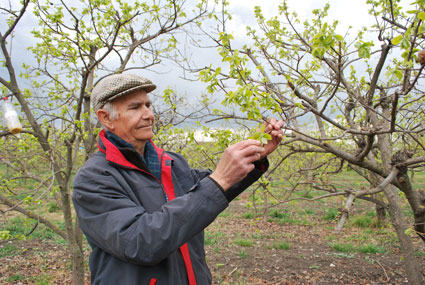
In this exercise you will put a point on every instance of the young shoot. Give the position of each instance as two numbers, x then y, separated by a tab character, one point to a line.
261	135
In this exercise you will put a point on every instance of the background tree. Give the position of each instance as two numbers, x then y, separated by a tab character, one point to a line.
75	44
355	97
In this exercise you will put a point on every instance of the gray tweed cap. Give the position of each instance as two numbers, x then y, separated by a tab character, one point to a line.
117	85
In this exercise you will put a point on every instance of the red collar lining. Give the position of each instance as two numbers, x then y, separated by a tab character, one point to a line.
112	152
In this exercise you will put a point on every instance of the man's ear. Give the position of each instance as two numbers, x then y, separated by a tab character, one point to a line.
105	118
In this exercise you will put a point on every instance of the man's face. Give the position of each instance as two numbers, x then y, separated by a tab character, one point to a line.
134	121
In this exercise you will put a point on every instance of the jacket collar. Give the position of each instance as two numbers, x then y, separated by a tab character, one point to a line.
113	154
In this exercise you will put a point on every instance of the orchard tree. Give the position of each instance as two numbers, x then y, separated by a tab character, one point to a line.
361	95
71	46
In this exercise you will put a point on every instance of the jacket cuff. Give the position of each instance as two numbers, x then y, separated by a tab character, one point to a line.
262	164
218	185
261	167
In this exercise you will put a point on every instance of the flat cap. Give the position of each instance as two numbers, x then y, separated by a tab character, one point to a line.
117	85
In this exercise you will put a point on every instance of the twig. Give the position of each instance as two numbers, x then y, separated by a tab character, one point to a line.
385	272
236	268
27	234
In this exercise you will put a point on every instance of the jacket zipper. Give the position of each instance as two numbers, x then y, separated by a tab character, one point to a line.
162	185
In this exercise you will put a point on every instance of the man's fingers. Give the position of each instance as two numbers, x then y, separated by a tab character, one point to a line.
247	151
246	143
278	133
272	125
252	152
277	125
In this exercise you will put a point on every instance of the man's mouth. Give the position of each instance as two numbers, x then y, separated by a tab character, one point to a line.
143	127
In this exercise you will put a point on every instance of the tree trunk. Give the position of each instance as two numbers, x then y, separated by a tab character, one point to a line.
345	212
77	260
410	262
74	248
381	215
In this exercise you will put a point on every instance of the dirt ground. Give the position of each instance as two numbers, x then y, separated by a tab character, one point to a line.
308	260
239	250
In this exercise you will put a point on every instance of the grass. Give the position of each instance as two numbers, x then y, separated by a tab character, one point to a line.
16	277
350	248
305	194
349	178
20	226
244	242
242	254
371	248
248	215
212	238
42	279
8	250
364	221
281	245
330	214
278	214
308	212
282	217
52	207
342	247
418	179
224	214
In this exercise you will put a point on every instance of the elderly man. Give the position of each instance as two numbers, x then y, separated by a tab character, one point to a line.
143	209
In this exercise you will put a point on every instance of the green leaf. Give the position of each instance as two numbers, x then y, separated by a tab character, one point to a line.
397	40
299	105
339	38
421	16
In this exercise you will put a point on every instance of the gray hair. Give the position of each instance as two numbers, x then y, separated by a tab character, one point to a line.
110	108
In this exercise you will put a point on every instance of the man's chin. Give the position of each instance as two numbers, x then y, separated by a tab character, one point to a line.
145	137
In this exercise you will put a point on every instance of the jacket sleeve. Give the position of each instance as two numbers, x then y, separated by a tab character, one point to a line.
261	167
116	224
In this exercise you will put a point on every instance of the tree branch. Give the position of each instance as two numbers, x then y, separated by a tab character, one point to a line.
12	27
31	215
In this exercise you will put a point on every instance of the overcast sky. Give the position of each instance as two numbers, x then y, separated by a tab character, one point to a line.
352	13
242	11
349	13
243	15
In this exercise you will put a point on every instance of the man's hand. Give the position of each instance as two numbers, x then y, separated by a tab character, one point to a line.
274	128
237	162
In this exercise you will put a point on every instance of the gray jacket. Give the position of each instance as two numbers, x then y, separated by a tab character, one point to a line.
146	231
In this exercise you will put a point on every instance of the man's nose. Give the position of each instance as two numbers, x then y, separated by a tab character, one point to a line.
147	113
